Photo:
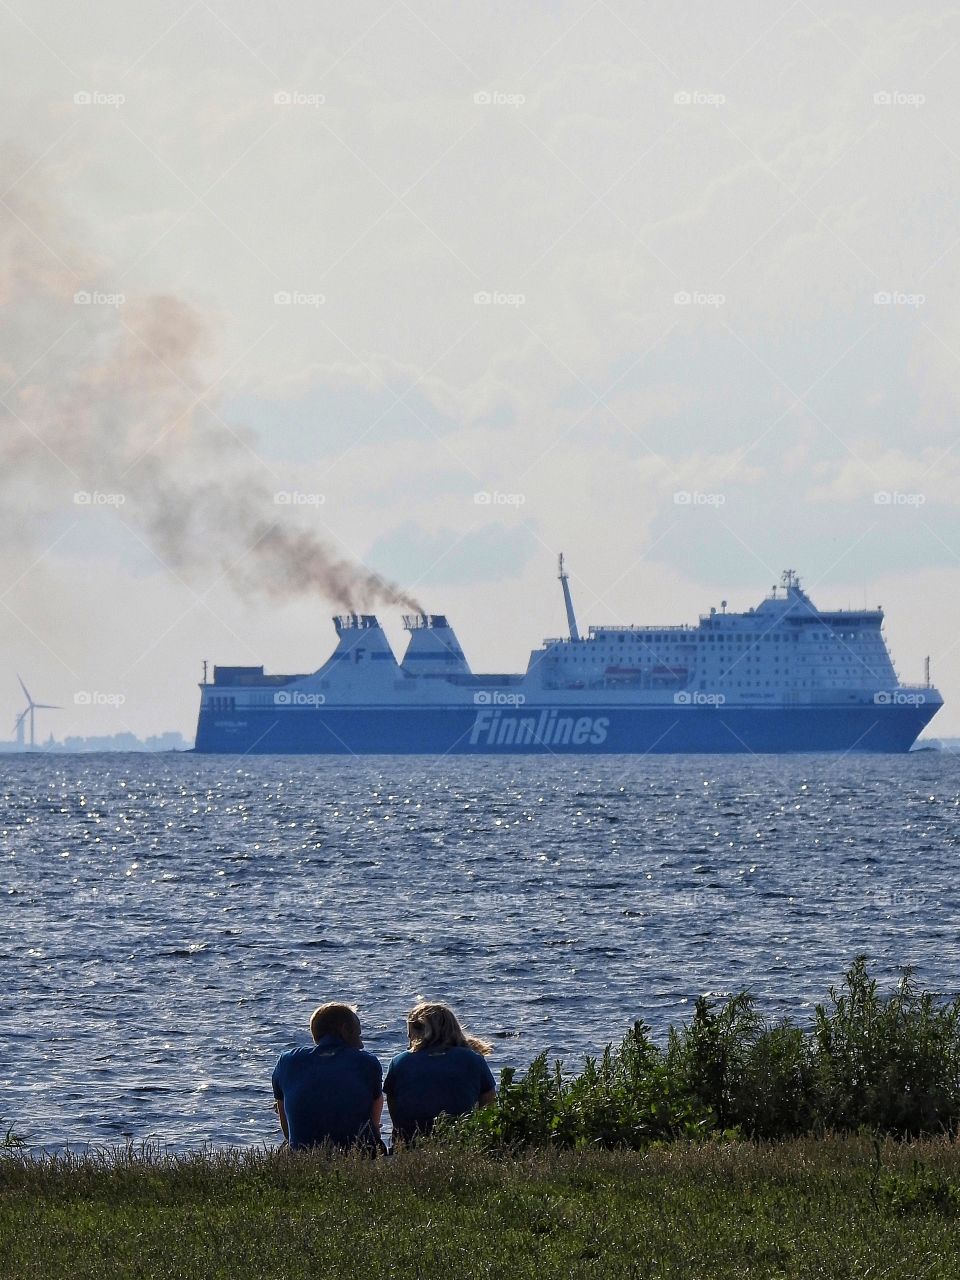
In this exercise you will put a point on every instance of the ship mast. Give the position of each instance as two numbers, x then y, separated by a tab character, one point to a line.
568	602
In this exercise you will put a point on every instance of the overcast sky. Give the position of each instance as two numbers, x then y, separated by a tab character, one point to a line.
673	286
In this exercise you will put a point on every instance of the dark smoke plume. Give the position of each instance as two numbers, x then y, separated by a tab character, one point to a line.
112	399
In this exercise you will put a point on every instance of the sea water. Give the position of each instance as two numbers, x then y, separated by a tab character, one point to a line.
170	922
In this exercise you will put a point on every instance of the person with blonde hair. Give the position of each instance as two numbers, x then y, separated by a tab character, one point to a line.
444	1072
331	1091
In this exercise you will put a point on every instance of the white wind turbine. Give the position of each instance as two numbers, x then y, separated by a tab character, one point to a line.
28	710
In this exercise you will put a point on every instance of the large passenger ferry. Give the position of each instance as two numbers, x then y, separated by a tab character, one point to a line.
783	677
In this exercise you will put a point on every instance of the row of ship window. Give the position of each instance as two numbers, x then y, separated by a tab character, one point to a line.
820	637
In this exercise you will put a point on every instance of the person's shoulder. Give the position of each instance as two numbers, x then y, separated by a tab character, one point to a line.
289	1054
368	1059
399	1061
287	1058
467	1054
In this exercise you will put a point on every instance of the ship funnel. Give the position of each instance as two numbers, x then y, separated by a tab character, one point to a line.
568	602
434	649
361	646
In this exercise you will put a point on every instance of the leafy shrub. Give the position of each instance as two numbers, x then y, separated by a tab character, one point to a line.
921	1191
890	1064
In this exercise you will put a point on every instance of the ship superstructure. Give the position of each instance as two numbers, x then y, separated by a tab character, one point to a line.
783	676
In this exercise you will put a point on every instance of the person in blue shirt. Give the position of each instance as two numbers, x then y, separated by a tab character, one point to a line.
444	1072
331	1091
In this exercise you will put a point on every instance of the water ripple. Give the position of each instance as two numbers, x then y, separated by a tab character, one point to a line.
170	922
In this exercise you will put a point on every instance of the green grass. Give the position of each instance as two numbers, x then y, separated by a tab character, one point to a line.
738	1149
838	1206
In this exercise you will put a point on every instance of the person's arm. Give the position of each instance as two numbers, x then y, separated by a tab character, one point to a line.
282	1116
388	1090
376	1112
278	1098
391	1098
488	1086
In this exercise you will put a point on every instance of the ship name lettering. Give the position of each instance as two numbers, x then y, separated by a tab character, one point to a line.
492	728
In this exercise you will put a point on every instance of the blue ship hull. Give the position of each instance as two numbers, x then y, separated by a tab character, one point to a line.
562	730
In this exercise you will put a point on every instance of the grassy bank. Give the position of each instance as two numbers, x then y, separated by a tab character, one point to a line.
736	1149
830	1207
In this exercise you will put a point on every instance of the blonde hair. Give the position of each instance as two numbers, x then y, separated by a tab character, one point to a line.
335	1019
435	1026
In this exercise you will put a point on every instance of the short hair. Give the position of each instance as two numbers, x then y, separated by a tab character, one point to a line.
335	1019
436	1026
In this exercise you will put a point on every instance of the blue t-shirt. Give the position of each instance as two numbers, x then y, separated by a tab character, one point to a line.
328	1091
433	1082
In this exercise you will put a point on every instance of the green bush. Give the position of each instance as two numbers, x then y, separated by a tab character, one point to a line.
887	1064
921	1191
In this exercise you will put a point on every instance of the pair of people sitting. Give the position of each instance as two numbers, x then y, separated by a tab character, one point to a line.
332	1091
